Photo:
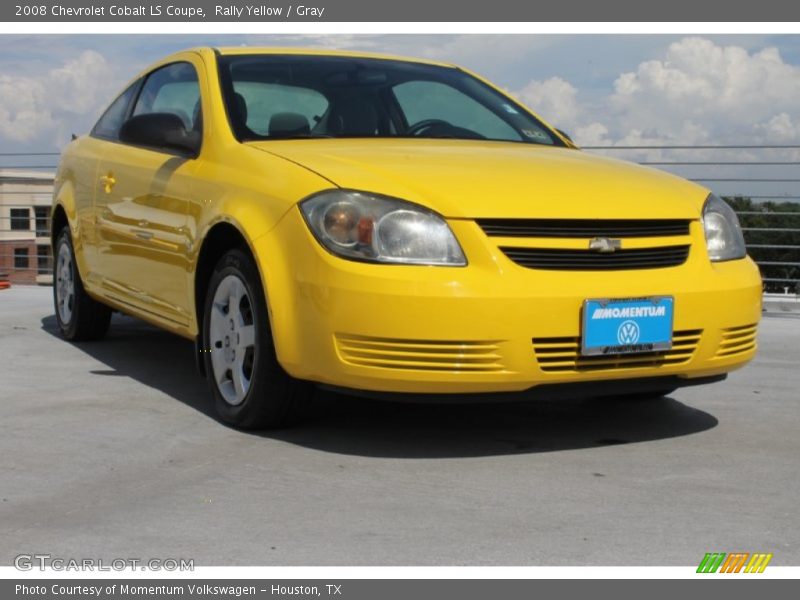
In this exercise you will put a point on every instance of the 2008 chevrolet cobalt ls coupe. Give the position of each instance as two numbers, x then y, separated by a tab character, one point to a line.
392	226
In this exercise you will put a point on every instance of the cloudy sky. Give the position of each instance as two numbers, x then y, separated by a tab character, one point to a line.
602	89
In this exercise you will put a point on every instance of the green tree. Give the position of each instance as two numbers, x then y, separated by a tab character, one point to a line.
788	242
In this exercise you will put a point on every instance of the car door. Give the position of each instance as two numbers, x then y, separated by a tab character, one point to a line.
80	166
142	202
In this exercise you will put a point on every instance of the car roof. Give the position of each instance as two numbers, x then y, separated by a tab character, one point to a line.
277	51
240	50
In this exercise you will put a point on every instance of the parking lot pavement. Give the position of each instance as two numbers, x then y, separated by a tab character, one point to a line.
109	450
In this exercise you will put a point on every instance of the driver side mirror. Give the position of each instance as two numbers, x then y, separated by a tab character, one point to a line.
161	131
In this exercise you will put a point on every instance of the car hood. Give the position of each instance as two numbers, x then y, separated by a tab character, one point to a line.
470	179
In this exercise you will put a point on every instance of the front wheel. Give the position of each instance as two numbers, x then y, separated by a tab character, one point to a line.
79	316
250	389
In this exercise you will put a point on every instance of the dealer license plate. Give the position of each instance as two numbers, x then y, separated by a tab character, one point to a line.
626	326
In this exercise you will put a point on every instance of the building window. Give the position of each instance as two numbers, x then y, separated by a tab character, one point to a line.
20	219
42	214
43	259
20	258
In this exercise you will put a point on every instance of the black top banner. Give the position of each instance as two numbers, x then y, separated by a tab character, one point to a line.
406	11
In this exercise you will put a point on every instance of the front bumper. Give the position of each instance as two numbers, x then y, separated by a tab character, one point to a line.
492	326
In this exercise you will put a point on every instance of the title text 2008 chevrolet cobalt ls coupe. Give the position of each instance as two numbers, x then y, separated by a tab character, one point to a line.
392	226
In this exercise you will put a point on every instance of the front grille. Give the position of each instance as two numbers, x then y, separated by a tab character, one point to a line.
589	260
584	228
562	354
737	340
420	355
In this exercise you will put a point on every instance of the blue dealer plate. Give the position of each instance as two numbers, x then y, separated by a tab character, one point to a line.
627	326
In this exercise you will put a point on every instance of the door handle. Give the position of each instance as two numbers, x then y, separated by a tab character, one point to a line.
145	235
108	182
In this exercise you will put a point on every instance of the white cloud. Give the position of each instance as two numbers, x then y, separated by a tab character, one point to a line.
703	91
593	134
554	99
698	92
46	104
557	102
782	128
22	111
480	52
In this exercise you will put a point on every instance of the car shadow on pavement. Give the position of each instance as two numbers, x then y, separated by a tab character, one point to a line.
370	428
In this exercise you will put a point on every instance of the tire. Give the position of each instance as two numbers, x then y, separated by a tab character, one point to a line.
250	389
80	317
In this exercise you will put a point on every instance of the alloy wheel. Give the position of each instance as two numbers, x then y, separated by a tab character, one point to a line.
232	339
65	284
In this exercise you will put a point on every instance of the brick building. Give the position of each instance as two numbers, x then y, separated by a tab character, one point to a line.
25	254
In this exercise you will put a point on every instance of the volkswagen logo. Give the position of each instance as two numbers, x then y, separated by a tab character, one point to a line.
628	333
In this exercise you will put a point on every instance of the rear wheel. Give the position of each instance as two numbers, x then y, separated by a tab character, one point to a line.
250	389
80	317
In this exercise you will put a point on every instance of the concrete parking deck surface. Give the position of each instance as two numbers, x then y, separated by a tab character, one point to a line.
109	450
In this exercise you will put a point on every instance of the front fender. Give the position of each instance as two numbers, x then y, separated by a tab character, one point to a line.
64	199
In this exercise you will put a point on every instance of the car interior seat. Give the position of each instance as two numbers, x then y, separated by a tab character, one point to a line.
355	117
285	124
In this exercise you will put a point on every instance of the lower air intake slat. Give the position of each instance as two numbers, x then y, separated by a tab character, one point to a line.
737	340
562	355
421	355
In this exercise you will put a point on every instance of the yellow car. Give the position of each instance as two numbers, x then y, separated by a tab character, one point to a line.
392	227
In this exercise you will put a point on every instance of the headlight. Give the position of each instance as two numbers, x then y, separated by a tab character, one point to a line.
724	237
364	226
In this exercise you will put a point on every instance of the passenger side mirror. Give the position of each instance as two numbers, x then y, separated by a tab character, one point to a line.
160	131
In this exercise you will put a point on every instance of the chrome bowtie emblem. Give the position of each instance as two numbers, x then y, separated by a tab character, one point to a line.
604	244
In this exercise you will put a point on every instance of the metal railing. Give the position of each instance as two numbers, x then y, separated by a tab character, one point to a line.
759	180
774	246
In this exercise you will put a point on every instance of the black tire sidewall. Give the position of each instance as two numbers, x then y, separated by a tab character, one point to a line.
69	330
90	319
258	404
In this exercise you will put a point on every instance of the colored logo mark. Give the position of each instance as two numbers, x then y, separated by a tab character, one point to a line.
735	562
628	332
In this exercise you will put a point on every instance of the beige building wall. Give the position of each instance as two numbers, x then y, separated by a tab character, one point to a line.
25	200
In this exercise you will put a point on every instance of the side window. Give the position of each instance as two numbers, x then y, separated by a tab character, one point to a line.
422	100
274	109
172	89
107	127
20	219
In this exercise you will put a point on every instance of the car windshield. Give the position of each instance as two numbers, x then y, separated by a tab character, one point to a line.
298	96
